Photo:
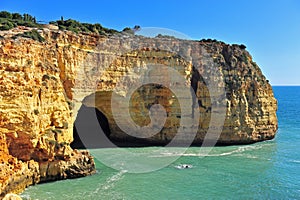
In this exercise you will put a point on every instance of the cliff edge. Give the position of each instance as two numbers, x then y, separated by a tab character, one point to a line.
45	85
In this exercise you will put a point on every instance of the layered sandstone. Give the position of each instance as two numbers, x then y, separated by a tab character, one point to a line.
225	80
43	85
35	118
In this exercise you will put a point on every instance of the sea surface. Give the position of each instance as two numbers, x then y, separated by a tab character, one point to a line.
265	170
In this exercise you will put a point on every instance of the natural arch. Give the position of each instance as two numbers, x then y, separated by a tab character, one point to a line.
99	100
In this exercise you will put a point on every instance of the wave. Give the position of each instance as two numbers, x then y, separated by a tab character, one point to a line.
110	181
237	151
108	184
295	161
241	150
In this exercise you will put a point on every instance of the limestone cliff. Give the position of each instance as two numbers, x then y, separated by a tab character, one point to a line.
43	85
35	119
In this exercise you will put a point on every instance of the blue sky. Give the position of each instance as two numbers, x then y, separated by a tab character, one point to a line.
269	29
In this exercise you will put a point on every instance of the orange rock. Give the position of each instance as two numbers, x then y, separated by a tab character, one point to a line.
42	86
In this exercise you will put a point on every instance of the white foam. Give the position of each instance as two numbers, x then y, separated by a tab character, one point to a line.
236	151
110	182
295	161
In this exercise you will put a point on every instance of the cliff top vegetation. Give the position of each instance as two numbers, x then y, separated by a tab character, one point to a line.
11	20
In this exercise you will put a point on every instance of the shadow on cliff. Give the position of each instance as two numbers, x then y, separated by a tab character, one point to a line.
91	129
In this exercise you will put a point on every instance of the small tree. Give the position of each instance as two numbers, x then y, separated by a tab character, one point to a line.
5	14
29	18
242	46
25	17
17	16
128	30
136	28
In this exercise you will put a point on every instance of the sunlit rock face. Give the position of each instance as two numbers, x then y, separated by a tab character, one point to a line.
36	125
43	85
243	95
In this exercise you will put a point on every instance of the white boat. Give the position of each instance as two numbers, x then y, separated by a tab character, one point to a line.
184	166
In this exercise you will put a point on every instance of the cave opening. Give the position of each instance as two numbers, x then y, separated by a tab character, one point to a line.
91	129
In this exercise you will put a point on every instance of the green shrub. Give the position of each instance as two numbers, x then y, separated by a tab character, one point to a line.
128	30
164	36
242	46
77	27
54	23
33	34
26	23
5	14
137	28
132	30
27	17
6	25
11	20
17	16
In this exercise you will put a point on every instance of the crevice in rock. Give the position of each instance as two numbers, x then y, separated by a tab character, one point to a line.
195	79
194	84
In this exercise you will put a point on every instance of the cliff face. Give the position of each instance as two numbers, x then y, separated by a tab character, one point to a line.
234	100
35	118
43	85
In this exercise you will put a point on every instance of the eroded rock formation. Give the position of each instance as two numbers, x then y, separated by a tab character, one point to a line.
35	118
43	85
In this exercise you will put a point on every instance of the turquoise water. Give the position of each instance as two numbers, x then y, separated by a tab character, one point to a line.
266	170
